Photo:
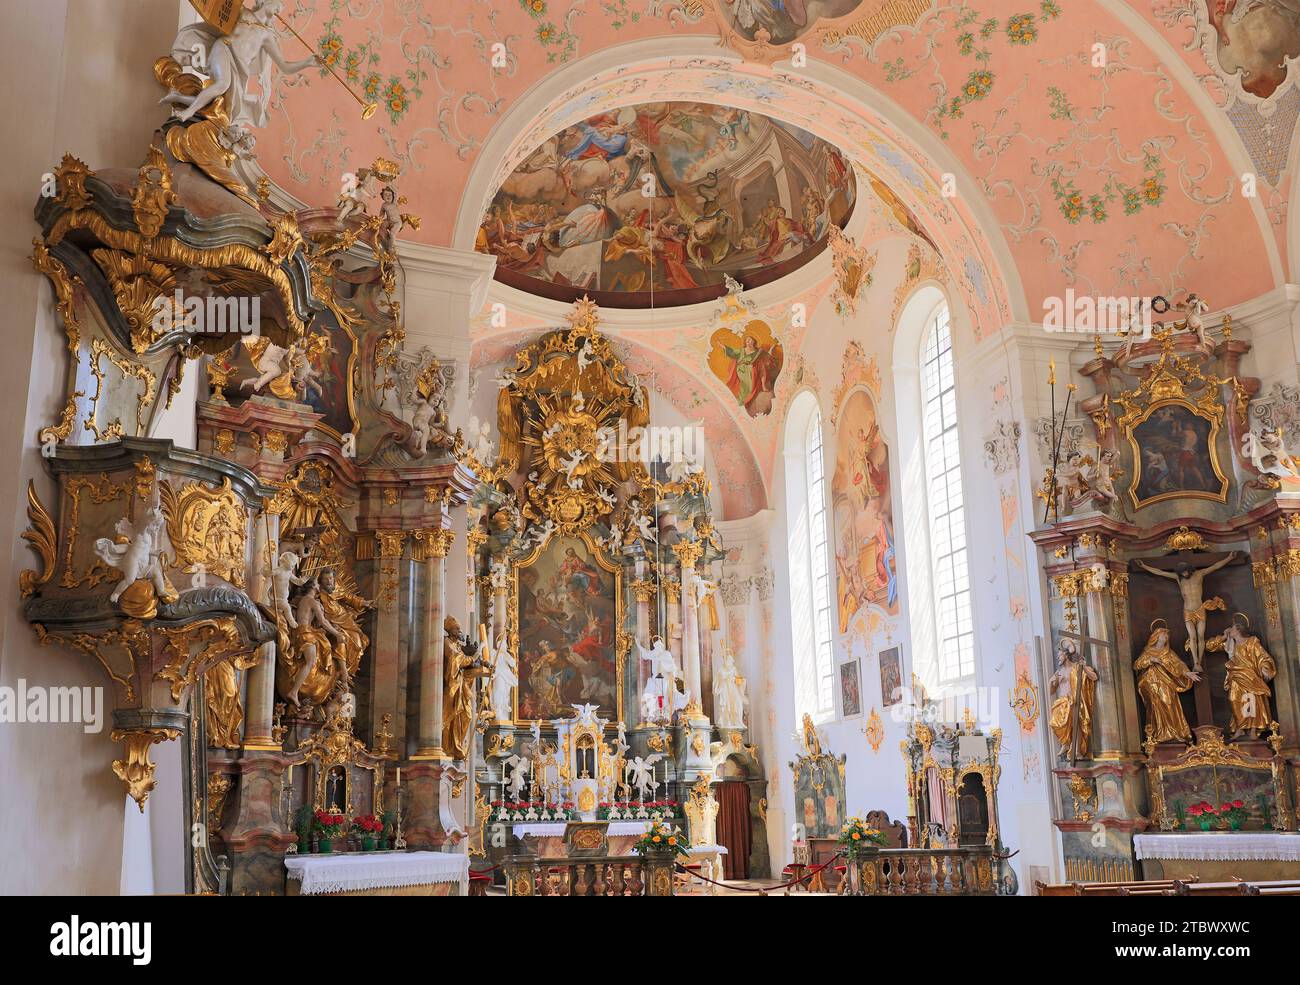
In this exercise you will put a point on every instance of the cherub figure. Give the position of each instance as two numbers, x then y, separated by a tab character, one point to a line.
283	576
136	553
354	201
1195	308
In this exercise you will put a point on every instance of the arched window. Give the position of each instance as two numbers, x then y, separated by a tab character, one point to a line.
954	629
809	552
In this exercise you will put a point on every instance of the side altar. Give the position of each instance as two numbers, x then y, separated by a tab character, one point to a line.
1170	539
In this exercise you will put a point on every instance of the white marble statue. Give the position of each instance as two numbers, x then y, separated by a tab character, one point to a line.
504	679
1195	308
354	201
284	575
138	557
1267	452
729	694
233	61
641	775
569	466
518	766
661	661
480	436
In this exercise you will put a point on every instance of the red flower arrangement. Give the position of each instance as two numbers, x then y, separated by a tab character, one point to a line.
1231	814
329	825
367	824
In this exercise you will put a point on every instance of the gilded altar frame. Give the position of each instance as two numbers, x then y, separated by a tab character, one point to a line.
619	615
1178	381
1210	751
1215	422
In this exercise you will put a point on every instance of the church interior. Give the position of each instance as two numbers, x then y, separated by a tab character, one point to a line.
651	448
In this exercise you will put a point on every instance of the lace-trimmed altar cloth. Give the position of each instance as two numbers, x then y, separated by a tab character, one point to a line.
1228	846
349	873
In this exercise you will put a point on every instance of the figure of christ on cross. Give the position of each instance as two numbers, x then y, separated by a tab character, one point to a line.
1191	585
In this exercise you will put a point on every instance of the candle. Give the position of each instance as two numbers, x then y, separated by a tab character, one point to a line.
399	776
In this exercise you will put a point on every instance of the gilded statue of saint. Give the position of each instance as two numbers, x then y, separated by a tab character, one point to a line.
223	712
1075	686
1162	677
460	669
1249	669
323	651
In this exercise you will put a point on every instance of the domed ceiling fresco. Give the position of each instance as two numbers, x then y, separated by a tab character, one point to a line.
658	203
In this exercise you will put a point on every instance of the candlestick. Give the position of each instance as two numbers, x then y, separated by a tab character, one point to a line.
399	776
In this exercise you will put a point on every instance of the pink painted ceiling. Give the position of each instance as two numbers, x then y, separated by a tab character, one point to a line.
1105	142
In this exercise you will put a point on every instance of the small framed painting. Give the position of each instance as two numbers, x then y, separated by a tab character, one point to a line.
891	676
850	689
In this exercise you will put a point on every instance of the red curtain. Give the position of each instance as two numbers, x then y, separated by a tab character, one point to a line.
733	828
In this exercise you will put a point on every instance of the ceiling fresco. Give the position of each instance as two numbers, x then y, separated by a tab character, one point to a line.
1080	132
657	204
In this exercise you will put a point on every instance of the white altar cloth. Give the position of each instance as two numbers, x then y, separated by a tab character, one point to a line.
1220	845
373	870
555	829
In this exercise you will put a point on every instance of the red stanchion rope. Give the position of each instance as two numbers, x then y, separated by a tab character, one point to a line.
766	889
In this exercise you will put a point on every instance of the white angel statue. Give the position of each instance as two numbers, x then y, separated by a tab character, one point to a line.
233	61
518	775
284	575
137	557
641	773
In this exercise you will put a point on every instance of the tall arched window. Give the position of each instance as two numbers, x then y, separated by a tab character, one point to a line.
954	629
809	552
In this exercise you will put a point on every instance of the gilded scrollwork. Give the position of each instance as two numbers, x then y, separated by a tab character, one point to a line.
43	539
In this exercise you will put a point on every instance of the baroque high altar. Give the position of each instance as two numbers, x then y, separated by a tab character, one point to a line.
275	598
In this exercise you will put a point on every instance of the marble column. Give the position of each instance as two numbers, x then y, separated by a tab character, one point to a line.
388	676
435	545
260	695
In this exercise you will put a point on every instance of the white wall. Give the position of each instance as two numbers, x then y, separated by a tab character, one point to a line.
77	76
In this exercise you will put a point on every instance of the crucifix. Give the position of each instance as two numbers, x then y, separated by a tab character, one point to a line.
1190	580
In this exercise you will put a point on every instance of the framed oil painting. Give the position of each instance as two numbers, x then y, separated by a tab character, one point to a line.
568	614
1174	454
850	689
891	676
325	383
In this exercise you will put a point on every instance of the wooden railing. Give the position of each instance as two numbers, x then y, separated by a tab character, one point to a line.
929	872
604	875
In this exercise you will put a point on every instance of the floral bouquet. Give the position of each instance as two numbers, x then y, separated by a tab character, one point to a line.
856	837
659	841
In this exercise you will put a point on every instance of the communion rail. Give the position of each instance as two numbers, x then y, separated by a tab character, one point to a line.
592	875
971	871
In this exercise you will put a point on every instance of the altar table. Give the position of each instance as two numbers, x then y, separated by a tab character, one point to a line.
1219	856
378	874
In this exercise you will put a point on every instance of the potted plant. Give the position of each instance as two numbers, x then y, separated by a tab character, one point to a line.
367	827
327	826
857	840
302	824
1202	815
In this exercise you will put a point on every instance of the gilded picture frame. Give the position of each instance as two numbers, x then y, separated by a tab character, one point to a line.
1153	443
618	608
